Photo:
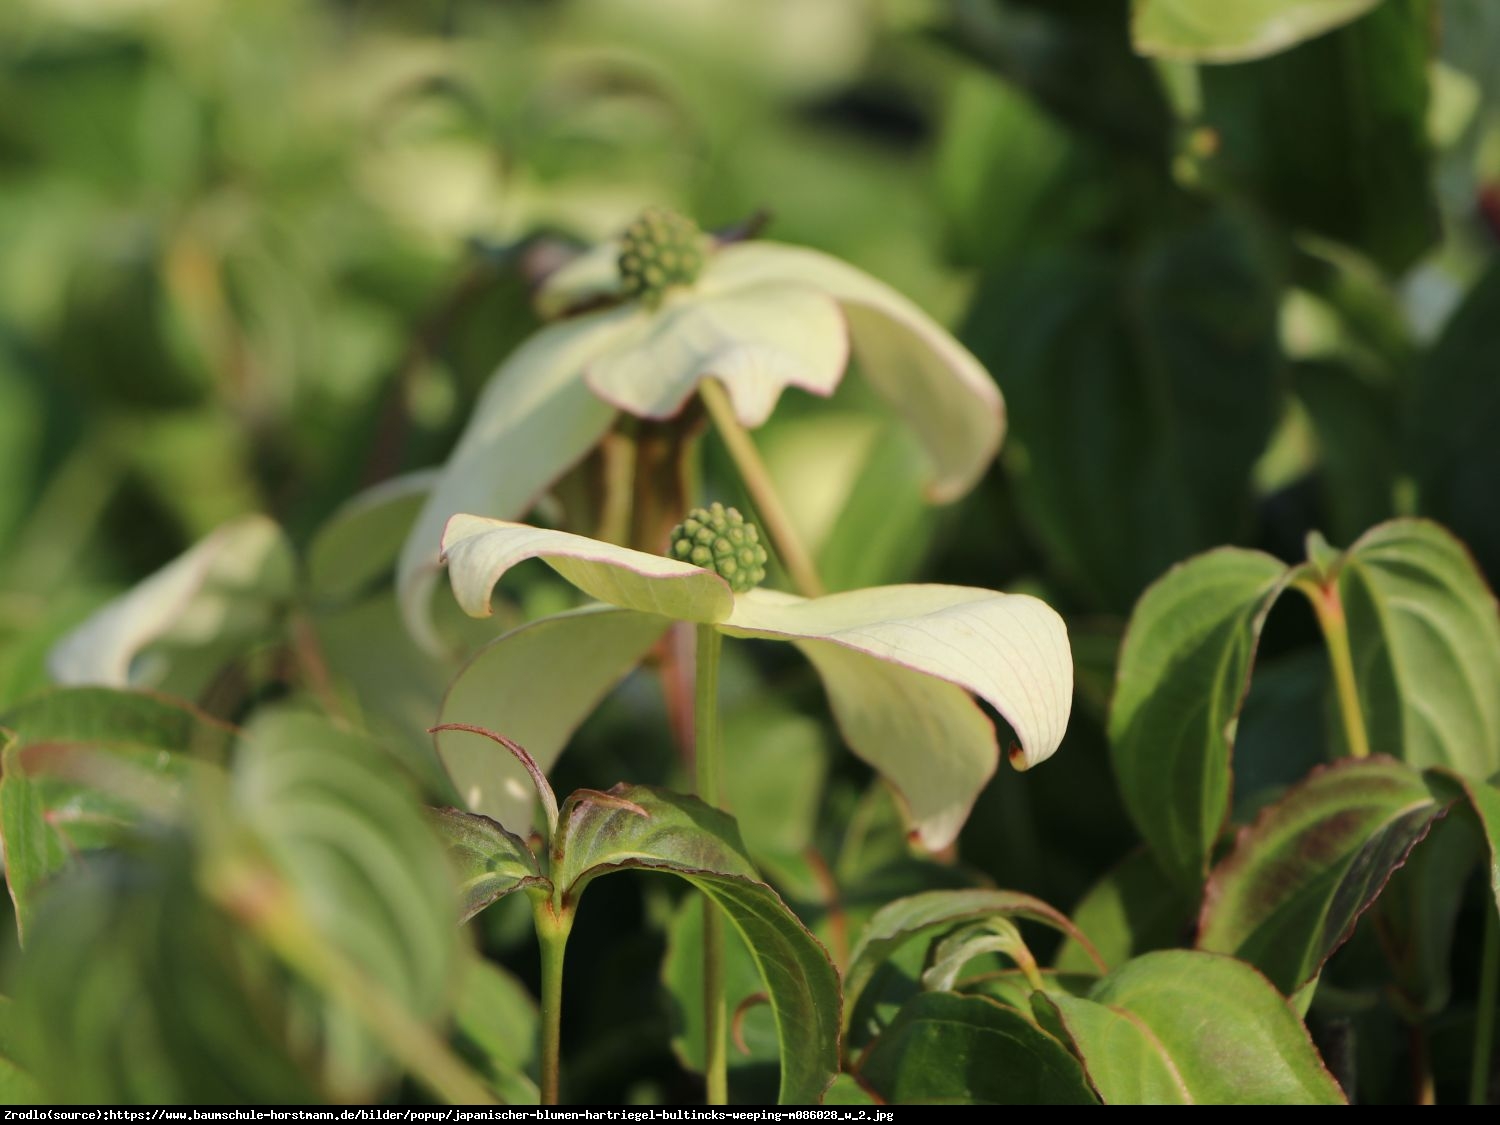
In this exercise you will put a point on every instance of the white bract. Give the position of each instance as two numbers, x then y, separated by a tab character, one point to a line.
759	318
898	663
229	586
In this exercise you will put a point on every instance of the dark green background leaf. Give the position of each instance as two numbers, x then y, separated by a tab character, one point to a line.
1141	392
1192	1028
1331	136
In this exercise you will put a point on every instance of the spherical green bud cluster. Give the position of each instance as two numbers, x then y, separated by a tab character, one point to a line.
659	250
718	539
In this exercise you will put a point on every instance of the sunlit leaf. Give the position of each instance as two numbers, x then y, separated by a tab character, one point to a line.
1178	1027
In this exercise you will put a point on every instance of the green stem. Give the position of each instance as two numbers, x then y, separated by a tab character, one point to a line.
762	489
619	453
1484	1018
552	935
1421	1067
706	755
1330	611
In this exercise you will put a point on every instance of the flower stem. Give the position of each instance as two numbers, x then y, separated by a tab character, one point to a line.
1484	1018
762	489
706	755
552	935
1330	610
619	450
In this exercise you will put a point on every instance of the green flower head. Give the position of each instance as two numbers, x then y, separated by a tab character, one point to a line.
658	251
718	539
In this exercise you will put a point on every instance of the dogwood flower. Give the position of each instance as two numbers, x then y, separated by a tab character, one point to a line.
898	664
663	309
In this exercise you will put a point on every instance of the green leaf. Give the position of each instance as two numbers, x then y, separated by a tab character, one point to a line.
997	144
231	585
944	1049
1298	879
1356	166
1483	802
1184	672
102	717
1182	1027
134	990
357	546
85	764
34	850
535	685
496	1021
636	827
932	914
489	861
1455	412
364	865
775	759
846	1091
389	686
754	1026
16	1086
1234	30
1283	732
1132	910
1425	634
1122	1059
1418	911
1142	392
1043	48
